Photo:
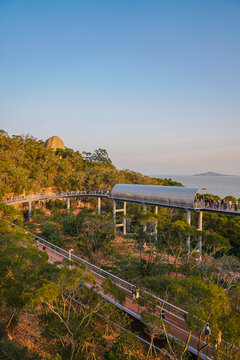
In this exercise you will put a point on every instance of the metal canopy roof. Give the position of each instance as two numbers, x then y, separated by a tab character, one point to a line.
172	196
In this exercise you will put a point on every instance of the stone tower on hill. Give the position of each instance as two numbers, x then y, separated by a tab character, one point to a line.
54	143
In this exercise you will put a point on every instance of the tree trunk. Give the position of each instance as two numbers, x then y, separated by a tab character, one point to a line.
10	320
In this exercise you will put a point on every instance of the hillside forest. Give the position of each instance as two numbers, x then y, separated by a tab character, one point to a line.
39	319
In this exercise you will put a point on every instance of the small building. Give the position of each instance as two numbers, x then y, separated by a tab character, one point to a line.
54	143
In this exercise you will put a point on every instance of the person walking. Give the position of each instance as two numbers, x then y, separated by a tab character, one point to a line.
218	340
236	205
137	293
134	293
207	332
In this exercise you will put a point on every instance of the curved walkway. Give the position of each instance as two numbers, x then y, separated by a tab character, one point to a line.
225	208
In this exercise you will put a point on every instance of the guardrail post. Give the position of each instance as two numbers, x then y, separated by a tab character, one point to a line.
188	241
99	205
200	219
29	210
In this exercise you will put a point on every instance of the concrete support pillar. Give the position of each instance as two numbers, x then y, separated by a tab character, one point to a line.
200	219
188	241
114	212
144	210
156	224
68	205
99	205
124	218
29	210
123	210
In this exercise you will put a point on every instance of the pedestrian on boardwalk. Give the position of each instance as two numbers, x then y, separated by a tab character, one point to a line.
163	314
137	293
218	340
236	205
134	293
207	332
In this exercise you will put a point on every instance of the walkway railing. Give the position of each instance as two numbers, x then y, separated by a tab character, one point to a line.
215	205
60	194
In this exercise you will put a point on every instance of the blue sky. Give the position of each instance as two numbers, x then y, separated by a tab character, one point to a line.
156	83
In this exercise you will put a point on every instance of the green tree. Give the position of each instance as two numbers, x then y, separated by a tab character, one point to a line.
205	303
95	233
72	303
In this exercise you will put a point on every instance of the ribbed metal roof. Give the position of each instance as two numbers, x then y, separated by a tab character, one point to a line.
172	196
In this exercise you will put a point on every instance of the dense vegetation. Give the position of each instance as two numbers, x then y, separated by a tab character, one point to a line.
83	330
209	289
27	165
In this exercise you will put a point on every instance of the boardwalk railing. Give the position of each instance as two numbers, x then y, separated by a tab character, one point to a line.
215	205
60	194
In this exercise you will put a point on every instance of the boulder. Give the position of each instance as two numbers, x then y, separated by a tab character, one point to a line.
54	143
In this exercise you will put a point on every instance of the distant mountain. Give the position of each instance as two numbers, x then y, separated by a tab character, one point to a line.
210	173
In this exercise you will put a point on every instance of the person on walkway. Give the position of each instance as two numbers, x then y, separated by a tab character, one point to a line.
163	314
218	340
134	293
236	205
137	293
207	332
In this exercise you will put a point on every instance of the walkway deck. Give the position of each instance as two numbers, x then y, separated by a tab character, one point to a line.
234	209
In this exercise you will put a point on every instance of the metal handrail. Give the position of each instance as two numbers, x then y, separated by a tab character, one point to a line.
63	194
206	205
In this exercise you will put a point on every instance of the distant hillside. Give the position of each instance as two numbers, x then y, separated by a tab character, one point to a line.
28	166
210	173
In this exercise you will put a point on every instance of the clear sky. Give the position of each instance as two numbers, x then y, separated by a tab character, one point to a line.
155	82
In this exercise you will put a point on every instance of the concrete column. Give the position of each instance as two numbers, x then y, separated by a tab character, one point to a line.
188	241
155	225
114	212
124	217
68	205
29	210
99	205
200	219
144	210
